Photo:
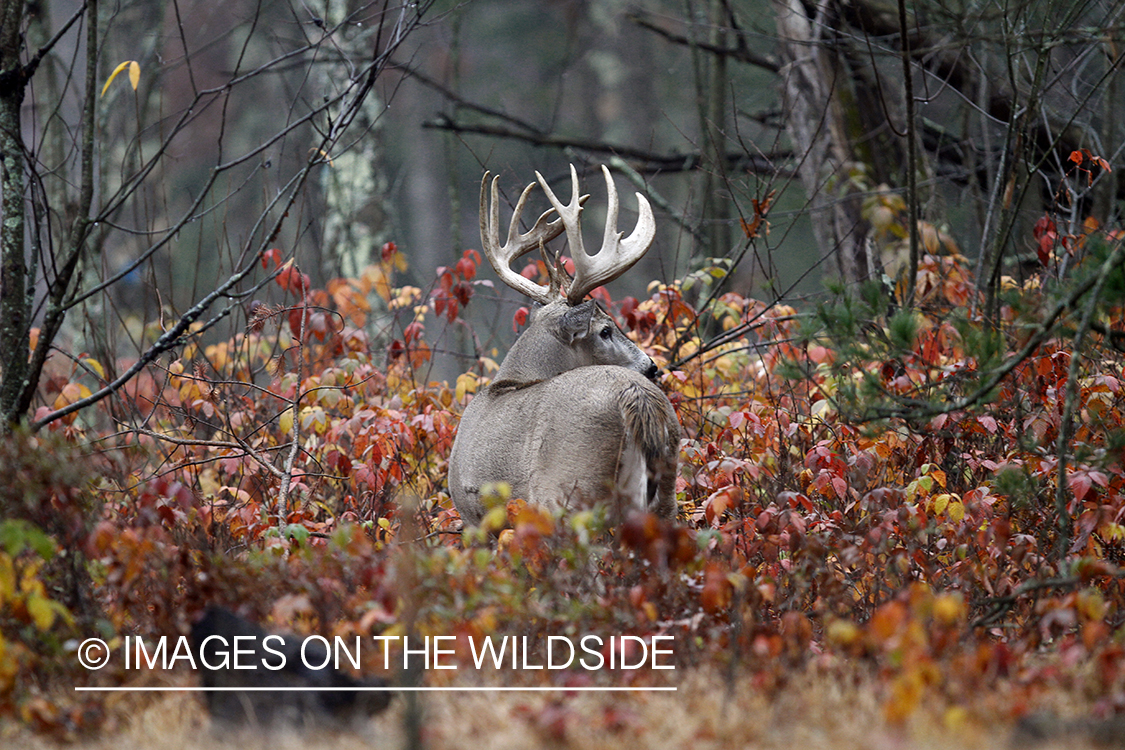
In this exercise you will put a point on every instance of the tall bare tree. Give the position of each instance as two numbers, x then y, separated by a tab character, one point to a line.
171	190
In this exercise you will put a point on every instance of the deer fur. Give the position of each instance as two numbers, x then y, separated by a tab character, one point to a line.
572	416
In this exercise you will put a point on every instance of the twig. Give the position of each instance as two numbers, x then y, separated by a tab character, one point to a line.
911	157
1001	605
651	162
295	430
742	52
1070	405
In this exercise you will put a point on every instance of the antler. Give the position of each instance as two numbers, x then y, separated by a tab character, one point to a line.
616	256
517	244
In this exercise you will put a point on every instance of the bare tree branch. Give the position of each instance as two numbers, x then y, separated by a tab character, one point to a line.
741	52
647	162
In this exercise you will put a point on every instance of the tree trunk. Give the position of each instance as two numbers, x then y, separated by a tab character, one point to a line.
14	285
813	89
354	186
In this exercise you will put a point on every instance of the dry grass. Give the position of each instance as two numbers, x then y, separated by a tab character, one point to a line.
814	709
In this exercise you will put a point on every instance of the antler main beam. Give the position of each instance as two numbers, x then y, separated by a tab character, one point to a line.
516	245
616	256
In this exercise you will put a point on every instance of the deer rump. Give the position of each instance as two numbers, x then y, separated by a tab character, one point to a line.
589	434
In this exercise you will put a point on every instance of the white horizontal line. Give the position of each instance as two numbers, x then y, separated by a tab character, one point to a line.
368	689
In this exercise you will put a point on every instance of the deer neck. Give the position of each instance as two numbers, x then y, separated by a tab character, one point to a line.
537	355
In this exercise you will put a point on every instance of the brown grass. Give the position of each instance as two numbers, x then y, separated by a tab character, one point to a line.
834	710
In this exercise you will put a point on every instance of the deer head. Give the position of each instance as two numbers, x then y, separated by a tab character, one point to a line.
566	332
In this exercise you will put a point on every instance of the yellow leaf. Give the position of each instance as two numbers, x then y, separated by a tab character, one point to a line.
134	74
313	418
949	608
843	633
940	503
956	718
322	154
39	607
929	236
7	578
495	519
466	383
286	421
919	486
9	665
1112	532
329	397
70	393
956	511
1091	604
95	365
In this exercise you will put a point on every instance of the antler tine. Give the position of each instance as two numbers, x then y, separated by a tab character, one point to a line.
616	256
554	272
517	244
571	214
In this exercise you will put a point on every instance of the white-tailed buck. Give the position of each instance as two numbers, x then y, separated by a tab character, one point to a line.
572	416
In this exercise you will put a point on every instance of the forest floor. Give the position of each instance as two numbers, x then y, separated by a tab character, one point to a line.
815	708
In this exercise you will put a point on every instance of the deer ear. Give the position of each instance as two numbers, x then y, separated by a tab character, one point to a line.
575	322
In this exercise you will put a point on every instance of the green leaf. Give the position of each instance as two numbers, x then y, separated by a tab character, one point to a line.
297	532
17	535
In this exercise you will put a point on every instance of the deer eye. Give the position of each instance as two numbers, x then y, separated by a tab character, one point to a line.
606	332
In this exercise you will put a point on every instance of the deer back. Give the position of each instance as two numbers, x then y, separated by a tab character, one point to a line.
585	435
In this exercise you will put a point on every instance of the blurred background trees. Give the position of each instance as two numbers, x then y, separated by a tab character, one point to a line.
326	129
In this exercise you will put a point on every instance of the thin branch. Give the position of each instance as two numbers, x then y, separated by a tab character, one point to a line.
911	157
176	335
295	405
999	606
1070	405
460	101
651	162
742	52
33	63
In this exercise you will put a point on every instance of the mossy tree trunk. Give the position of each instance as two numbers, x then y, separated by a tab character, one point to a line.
21	364
14	301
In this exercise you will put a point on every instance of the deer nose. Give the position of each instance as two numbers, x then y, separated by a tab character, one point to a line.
652	370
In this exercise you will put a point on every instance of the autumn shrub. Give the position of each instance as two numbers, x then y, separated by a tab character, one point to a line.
46	597
860	483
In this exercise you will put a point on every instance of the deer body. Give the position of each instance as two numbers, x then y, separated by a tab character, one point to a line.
572	416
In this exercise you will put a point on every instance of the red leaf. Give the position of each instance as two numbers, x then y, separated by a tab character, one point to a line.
1079	484
272	254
